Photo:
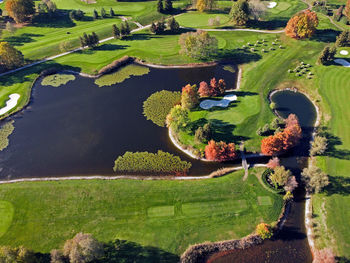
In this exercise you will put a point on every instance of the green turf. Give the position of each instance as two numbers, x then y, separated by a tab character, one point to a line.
6	215
200	20
167	214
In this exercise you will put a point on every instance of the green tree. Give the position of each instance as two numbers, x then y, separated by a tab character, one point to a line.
122	30
280	176
343	40
116	32
314	178
199	45
174	26
17	255
20	10
103	13
240	12
95	14
127	28
111	12
10	57
327	55
160	7
153	28
177	118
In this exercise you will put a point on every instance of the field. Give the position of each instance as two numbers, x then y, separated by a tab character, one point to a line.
169	215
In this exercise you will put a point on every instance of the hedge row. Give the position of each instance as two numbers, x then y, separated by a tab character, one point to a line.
160	163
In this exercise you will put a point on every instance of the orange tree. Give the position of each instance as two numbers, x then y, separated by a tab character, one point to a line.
302	25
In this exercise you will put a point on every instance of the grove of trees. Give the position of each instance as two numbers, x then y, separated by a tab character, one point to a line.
343	40
214	88
284	140
302	25
327	55
220	151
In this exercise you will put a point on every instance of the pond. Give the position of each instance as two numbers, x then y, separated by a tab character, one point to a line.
80	128
291	244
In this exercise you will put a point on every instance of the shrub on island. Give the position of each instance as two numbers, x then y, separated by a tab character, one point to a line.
160	163
177	118
220	151
189	97
159	104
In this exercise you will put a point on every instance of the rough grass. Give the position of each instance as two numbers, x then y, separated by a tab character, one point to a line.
47	213
57	80
121	75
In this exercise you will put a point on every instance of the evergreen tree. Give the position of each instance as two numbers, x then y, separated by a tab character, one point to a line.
153	28
173	25
160	27
160	8
122	30
111	12
127	28
95	14
103	13
116	32
86	39
168	6
343	40
82	42
327	55
95	39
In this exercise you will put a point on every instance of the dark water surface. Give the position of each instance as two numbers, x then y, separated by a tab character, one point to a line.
290	245
80	129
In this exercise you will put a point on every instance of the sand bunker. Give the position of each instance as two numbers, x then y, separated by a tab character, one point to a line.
343	52
342	62
207	104
10	104
271	5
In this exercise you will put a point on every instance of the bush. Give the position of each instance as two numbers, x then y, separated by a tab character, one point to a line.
158	105
264	231
151	163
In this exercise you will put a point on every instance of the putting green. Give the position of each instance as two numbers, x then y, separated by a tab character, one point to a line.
6	214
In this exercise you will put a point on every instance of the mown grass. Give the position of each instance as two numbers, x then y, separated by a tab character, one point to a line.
169	215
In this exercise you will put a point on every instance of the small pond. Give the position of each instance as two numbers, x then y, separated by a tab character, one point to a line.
80	128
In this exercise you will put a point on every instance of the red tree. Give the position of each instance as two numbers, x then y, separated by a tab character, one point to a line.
272	145
189	97
273	163
204	90
220	151
221	86
213	87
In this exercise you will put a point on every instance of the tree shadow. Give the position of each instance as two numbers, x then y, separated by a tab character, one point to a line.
342	260
289	233
325	35
268	24
334	141
244	93
338	185
60	19
238	56
110	47
131	252
22	39
141	36
223	131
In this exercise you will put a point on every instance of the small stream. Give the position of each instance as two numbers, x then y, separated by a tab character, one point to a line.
290	245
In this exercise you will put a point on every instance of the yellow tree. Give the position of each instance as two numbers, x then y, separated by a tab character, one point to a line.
201	5
347	9
9	56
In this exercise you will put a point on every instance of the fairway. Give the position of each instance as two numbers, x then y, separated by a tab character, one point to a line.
169	215
6	215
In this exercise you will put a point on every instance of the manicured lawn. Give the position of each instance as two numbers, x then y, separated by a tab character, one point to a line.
169	215
201	20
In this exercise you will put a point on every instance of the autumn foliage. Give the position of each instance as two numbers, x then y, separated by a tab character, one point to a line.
20	10
189	97
273	163
220	151
264	230
284	140
302	25
214	88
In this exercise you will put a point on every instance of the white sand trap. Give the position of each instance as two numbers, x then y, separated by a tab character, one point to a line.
343	52
271	5
342	62
207	104
10	104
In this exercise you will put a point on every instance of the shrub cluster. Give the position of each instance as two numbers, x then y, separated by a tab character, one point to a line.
151	163
158	105
302	70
